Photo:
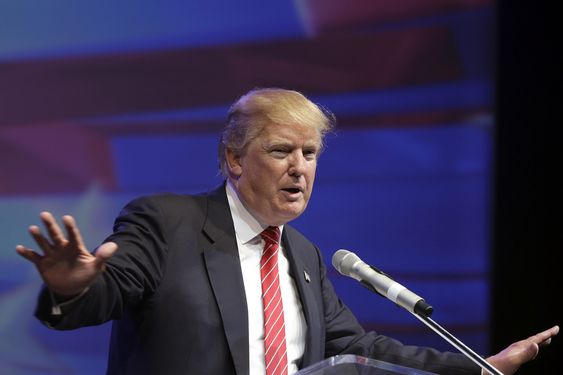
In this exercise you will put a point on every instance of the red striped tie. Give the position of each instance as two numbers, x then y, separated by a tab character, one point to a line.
274	323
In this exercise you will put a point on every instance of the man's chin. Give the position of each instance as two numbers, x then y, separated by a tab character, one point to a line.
293	213
284	216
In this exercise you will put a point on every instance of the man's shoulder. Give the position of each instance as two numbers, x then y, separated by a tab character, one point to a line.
174	200
168	198
171	203
166	201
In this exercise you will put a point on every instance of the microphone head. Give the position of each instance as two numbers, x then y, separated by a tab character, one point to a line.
344	260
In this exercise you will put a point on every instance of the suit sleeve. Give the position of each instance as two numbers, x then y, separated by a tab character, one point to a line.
344	335
131	275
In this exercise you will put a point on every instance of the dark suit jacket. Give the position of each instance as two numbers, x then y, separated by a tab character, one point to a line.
176	293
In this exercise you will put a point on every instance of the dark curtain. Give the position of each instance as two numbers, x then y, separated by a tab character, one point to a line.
529	166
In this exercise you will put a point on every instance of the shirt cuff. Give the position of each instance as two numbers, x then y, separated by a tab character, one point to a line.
56	308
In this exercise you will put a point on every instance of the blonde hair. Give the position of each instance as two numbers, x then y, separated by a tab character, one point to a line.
260	107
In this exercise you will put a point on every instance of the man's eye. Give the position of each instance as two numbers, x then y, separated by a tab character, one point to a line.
279	152
310	154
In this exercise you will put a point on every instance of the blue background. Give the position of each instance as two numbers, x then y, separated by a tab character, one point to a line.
102	102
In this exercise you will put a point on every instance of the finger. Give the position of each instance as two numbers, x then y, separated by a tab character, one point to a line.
53	228
544	338
28	254
104	252
74	236
43	242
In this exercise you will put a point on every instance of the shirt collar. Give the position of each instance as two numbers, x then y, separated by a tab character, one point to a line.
247	227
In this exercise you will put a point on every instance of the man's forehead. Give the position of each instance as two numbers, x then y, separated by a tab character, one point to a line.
295	141
290	133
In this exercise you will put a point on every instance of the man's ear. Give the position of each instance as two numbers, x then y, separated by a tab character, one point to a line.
233	164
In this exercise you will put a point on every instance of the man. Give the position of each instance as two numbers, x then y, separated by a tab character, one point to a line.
185	282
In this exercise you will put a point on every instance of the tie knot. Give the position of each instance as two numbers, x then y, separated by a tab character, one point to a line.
271	235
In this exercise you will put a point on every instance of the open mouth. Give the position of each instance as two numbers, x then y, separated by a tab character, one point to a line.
292	190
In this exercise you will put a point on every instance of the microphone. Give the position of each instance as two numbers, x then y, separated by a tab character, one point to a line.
349	264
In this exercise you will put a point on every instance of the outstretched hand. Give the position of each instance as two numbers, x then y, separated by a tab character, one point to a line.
66	266
511	358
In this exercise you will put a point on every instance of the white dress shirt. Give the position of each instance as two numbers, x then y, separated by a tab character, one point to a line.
250	247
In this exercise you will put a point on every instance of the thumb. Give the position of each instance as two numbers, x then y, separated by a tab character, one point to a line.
105	251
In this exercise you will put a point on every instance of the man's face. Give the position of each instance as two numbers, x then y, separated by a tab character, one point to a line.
274	175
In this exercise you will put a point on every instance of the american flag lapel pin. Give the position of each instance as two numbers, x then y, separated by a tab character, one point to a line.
307	278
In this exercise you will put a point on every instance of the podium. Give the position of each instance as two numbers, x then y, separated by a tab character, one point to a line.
350	364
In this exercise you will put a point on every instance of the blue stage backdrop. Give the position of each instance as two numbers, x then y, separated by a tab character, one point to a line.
103	101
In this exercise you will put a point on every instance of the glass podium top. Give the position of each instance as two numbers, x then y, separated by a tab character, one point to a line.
350	364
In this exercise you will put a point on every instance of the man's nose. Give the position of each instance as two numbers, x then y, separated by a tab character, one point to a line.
297	164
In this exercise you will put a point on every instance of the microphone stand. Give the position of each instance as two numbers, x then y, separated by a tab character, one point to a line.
456	343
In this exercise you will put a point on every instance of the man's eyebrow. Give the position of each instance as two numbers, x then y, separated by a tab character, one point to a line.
287	143
278	142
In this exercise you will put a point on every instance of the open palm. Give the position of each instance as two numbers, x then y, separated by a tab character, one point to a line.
66	266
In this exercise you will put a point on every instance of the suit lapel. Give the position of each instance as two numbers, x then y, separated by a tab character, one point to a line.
224	270
303	279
